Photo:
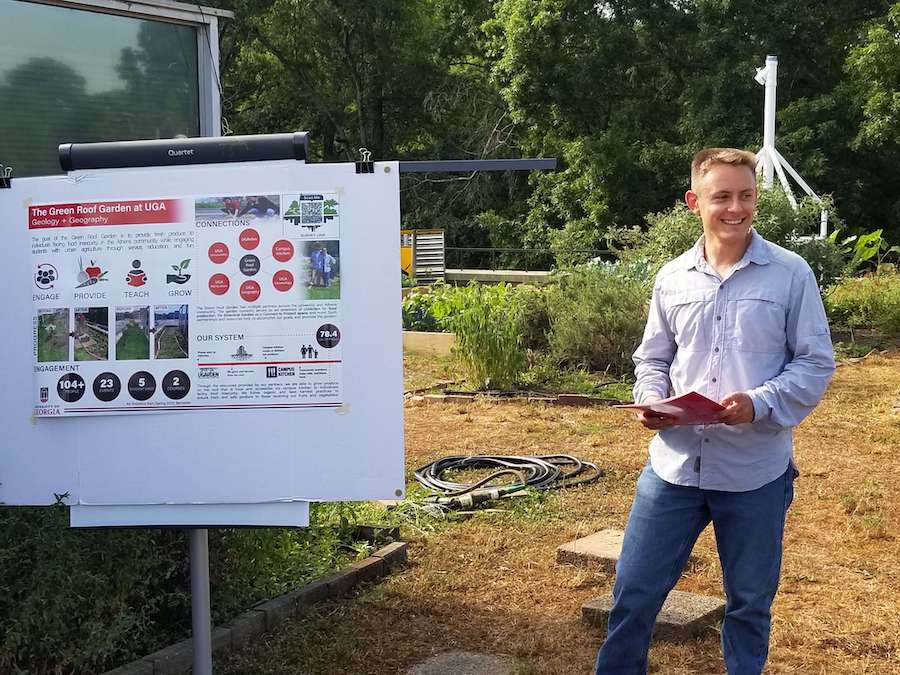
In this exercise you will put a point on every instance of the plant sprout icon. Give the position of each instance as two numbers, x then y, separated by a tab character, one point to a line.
89	275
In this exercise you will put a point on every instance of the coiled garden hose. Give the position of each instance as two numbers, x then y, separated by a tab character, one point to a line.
544	472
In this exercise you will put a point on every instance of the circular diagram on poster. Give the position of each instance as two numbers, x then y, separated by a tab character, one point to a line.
218	252
282	250
219	284
249	265
328	335
70	387
250	291
107	387
249	239
283	280
141	385
176	384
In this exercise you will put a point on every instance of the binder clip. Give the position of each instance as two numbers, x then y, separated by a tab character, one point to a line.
5	176
365	165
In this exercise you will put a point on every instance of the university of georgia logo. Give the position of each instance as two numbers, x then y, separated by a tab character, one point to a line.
45	394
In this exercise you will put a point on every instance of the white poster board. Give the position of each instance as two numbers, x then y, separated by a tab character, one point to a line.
336	436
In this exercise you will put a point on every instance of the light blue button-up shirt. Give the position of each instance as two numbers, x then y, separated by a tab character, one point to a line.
761	330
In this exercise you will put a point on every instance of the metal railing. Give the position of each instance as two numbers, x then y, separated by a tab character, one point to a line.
525	259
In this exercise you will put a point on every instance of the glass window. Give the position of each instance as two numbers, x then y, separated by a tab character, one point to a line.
70	75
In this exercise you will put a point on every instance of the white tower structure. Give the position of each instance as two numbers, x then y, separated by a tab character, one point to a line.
769	160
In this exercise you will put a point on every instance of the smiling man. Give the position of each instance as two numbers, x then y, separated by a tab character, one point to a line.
741	321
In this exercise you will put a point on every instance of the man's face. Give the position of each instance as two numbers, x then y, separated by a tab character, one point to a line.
725	200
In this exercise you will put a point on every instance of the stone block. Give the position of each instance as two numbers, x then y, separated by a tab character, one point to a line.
574	399
140	667
684	616
341	583
221	640
393	554
428	343
175	659
278	609
313	593
368	570
601	550
464	663
246	626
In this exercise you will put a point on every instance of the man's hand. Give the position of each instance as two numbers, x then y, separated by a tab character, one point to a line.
655	421
738	409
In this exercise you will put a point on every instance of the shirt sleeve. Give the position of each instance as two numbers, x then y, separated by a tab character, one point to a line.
785	400
654	355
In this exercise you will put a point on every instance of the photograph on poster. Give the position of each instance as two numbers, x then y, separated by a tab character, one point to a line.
321	262
53	334
246	207
91	333
132	333
171	331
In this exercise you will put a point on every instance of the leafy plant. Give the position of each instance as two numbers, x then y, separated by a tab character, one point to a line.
871	301
82	601
596	320
487	321
864	248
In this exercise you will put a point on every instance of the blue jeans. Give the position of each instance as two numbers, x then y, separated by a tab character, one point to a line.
664	524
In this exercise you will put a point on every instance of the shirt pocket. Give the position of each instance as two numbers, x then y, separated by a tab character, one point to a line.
689	313
757	323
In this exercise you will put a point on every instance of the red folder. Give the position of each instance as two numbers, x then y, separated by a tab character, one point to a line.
690	408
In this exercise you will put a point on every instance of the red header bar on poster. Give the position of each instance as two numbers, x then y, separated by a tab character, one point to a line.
95	214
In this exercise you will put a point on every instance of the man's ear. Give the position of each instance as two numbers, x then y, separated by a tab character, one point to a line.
691	199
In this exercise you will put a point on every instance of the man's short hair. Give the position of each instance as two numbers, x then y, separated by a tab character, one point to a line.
707	158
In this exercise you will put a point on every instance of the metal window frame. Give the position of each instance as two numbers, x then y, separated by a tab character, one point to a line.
204	19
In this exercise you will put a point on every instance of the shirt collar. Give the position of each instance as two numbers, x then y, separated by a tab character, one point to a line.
757	252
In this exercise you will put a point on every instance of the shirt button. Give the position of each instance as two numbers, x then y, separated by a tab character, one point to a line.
716	349
714	379
706	440
719	318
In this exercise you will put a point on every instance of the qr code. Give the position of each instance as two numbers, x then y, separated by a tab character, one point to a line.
311	212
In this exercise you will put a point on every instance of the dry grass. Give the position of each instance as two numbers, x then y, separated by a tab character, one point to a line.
491	583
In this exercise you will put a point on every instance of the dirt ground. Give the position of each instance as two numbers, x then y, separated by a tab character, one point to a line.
491	583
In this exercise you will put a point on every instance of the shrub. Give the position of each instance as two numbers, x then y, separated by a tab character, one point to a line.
596	319
487	321
535	316
84	601
416	309
872	301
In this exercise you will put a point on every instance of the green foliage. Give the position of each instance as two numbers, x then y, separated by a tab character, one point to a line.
535	316
247	565
871	301
487	321
874	64
825	259
88	600
428	309
596	320
869	248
